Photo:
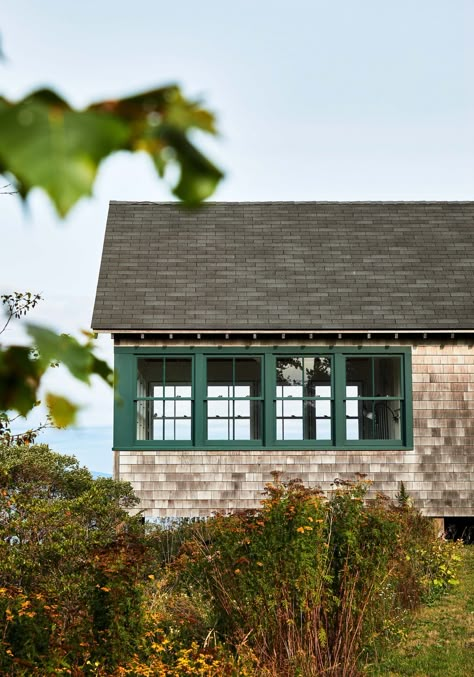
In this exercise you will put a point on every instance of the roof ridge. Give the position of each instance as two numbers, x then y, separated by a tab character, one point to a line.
296	202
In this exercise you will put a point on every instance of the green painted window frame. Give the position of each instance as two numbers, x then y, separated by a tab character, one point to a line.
125	424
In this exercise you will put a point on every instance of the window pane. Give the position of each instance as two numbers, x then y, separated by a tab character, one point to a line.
387	420
219	391
219	378
218	409
290	371
158	377
292	408
248	428
247	377
359	373
290	429
317	373
373	420
218	429
178	372
317	420
164	420
239	421
149	375
183	429
387	372
183	409
242	408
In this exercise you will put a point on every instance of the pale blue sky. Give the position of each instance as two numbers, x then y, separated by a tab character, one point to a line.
316	100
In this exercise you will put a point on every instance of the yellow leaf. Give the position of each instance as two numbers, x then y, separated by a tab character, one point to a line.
62	411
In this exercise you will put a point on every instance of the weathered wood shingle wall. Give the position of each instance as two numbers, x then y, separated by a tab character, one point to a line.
438	472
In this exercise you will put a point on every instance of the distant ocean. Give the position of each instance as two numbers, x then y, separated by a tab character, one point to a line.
92	446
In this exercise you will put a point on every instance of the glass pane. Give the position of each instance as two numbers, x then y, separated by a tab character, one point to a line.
241	408
290	429
183	429
239	421
149	375
169	408
218	409
292	408
183	409
218	429
317	420
387	423
323	429
373	420
317	372
164	420
248	428
247	377
387	372
157	430
178	373
323	408
359	373
219	391
290	371
219	378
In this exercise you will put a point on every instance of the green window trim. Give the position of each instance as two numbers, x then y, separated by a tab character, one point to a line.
396	407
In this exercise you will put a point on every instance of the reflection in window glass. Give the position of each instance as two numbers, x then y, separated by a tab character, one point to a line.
303	398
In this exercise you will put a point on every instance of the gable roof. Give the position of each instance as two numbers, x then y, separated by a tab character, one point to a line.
287	266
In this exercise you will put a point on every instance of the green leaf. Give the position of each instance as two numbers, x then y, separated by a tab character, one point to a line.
20	375
62	411
45	144
198	177
77	358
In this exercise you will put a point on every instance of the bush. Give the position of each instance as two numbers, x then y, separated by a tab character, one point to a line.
308	583
71	560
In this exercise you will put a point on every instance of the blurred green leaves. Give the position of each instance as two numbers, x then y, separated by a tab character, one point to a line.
22	368
45	143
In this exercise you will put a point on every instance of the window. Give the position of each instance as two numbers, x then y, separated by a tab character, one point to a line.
263	398
303	398
234	398
164	402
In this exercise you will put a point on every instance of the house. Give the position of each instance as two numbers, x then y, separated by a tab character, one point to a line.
320	339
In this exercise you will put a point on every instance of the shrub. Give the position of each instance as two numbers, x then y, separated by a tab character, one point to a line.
71	560
309	582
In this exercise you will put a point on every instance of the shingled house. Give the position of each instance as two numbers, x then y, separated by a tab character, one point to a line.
317	339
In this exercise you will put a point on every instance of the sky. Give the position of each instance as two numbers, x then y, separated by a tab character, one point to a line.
315	100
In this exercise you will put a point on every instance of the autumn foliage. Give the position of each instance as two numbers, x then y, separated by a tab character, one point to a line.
308	584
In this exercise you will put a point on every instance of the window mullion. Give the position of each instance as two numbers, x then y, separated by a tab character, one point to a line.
269	394
199	414
339	399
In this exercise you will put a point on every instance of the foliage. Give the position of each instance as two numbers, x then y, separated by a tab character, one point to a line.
309	583
71	561
22	368
438	640
48	144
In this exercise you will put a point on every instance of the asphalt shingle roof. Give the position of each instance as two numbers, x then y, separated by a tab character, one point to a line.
287	265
